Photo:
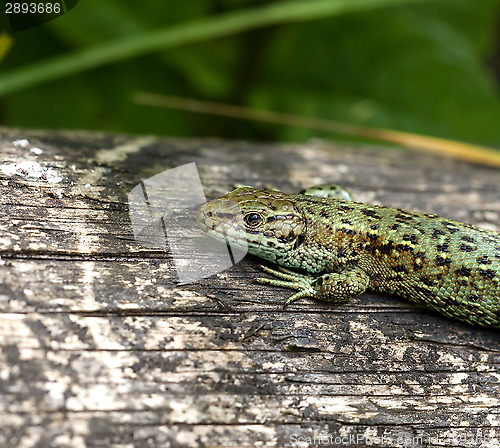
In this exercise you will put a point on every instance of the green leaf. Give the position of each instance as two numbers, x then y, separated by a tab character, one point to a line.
404	68
210	28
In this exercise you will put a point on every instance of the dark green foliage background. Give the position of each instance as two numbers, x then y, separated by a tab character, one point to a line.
424	68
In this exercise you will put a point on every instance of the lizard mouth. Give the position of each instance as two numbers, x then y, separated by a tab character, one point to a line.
222	220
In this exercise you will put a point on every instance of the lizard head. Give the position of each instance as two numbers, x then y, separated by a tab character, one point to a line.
265	221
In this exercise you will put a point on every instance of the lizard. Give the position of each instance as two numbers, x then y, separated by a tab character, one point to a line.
331	248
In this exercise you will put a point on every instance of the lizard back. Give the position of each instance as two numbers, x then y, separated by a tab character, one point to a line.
449	266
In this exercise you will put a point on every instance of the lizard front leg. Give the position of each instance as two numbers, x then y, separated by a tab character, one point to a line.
330	287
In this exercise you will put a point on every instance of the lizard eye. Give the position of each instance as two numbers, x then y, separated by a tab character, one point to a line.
252	219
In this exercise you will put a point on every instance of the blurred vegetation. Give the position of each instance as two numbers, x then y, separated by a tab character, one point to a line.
417	66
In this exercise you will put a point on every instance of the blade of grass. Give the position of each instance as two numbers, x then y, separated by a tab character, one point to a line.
199	30
459	150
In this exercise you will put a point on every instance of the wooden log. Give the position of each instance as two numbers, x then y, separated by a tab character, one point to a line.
101	347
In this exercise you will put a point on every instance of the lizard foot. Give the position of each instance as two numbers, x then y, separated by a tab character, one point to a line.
290	279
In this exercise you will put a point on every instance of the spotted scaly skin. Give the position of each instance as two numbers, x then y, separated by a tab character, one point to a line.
348	247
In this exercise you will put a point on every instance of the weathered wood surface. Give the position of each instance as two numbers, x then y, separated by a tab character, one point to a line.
100	347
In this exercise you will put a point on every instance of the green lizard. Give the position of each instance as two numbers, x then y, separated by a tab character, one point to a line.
348	247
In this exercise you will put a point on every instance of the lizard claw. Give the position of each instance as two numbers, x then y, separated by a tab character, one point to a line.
296	296
263	280
283	273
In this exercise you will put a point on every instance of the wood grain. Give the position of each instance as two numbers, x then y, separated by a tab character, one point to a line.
101	347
